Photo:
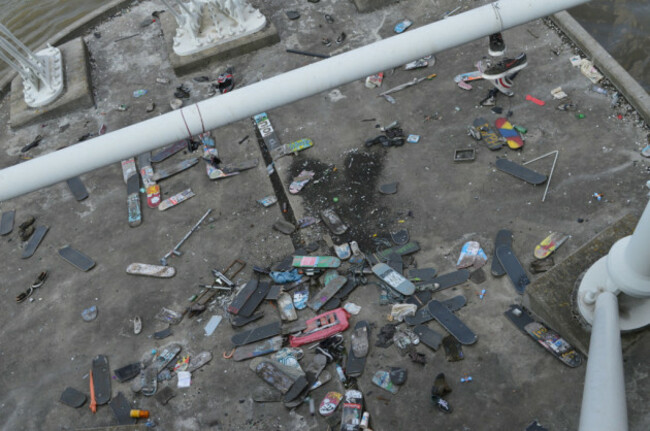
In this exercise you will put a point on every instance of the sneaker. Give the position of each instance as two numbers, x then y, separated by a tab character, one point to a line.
504	85
442	404
506	67
497	45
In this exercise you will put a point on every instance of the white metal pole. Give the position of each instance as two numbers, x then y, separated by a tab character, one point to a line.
603	400
271	93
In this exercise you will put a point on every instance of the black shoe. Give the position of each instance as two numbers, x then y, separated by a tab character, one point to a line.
442	404
440	387
506	67
497	45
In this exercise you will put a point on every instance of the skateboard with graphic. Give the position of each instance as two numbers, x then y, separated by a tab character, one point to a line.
267	132
146	172
451	323
488	135
292	148
549	244
329	404
150	270
393	279
513	268
520	171
132	180
327	292
509	133
176	199
352	410
260	348
316	262
548	338
167	172
468	76
169	151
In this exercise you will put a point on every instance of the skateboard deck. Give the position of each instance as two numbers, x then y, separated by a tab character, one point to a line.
316	262
257	349
327	293
445	281
151	270
242	296
257	334
329	404
286	308
292	148
34	241
232	169
509	133
101	379
294	327
333	221
488	135
428	336
504	237
255	299
451	323
128	169
421	274
548	338
352	410
549	244
7	222
402	250
127	372
77	188
146	172
273	375
122	410
469	76
393	279
167	172
355	365
72	397
423	315
513	268
382	379
133	201
239	321
176	199
322	326
520	171
169	151
420	299
401	237
266	130
296	389
76	258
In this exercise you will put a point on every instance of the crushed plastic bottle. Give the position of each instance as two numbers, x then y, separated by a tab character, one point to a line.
599	90
139	93
89	314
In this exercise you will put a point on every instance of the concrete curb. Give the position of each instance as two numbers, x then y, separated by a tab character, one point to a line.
74	30
628	86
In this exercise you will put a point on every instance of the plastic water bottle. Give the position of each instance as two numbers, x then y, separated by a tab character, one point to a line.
139	93
599	90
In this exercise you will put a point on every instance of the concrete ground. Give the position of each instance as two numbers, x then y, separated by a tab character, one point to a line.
46	346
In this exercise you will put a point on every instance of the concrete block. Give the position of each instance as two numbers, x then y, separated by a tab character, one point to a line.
370	5
190	63
552	296
76	95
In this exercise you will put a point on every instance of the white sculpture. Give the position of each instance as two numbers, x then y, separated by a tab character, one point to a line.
203	24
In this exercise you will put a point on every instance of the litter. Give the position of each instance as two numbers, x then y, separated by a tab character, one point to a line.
588	69
352	308
402	26
268	201
184	379
535	100
374	81
212	325
139	93
89	314
557	93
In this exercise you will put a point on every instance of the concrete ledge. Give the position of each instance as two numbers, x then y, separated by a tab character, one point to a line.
77	93
628	86
370	5
189	63
551	297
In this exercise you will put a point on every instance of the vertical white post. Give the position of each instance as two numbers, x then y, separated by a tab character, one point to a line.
603	400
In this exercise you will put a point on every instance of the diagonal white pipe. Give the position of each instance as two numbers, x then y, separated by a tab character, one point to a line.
271	93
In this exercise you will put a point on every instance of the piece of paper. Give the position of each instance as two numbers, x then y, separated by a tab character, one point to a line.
184	379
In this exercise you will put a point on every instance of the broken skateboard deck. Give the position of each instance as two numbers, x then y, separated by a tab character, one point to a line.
146	172
393	279
548	338
101	379
7	222
423	315
255	299
355	365
428	336
549	244
34	241
76	258
239	321
513	268
176	199
520	171
292	148
272	375
169	151
316	262
72	397
77	188
150	270
451	323
469	76
509	133
122	410
504	237
488	135
238	302
322	326
420	299
257	334
167	172
421	274
333	221
327	292
257	349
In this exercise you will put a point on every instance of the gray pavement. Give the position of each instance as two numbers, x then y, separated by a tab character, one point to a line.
45	346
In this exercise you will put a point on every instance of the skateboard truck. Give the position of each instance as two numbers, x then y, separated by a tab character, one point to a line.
221	277
175	251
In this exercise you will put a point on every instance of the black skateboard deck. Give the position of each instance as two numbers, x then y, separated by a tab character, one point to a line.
327	293
296	389
355	366
274	292
272	375
451	323
239	321
421	274
504	237
345	291
254	350
169	151
242	297
423	315
294	327
255	299
72	397
428	336
445	281
169	171
520	171
101	380
257	334
76	258
34	241
77	188
402	250
420	299
122	410
7	223
513	268
127	372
